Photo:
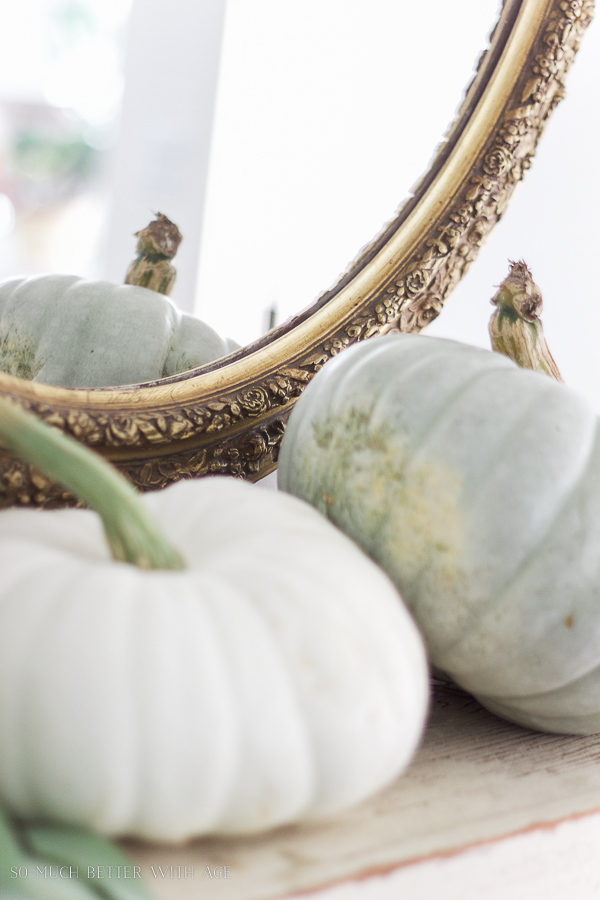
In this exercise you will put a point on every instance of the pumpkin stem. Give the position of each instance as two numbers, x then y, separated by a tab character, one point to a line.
157	245
515	326
133	535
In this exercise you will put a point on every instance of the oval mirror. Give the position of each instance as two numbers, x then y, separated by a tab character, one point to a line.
229	416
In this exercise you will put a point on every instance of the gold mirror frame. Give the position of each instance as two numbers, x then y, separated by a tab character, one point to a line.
229	417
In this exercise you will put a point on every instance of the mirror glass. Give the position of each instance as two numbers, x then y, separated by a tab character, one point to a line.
329	111
326	111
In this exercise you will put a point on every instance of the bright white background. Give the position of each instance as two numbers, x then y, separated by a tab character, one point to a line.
328	112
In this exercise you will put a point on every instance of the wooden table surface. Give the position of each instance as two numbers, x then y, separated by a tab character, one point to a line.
476	783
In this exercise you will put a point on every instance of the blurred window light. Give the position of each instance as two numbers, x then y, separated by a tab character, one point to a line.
40	35
88	80
61	84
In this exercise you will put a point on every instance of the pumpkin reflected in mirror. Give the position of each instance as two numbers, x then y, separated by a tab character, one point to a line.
68	332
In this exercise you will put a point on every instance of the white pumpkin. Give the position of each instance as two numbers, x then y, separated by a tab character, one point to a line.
277	677
476	486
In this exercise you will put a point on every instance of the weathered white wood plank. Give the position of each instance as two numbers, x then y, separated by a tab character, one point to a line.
475	780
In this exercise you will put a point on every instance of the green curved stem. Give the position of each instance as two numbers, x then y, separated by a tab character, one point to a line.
133	535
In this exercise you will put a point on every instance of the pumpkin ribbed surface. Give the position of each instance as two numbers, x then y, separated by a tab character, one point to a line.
277	678
476	486
70	332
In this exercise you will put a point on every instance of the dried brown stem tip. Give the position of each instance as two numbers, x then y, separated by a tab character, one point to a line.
515	326
157	245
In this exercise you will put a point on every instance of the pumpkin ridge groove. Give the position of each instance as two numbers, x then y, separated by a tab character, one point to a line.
420	444
36	795
522	708
341	388
418	454
512	698
445	408
17	724
120	655
235	675
205	615
529	560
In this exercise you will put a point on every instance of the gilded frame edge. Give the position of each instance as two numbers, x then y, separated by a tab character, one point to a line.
230	418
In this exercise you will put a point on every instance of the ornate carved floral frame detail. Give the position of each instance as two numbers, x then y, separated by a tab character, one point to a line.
229	417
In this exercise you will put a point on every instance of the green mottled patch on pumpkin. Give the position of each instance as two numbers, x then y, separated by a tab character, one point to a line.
17	356
403	506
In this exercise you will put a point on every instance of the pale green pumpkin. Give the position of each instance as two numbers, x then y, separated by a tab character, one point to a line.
476	486
70	332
